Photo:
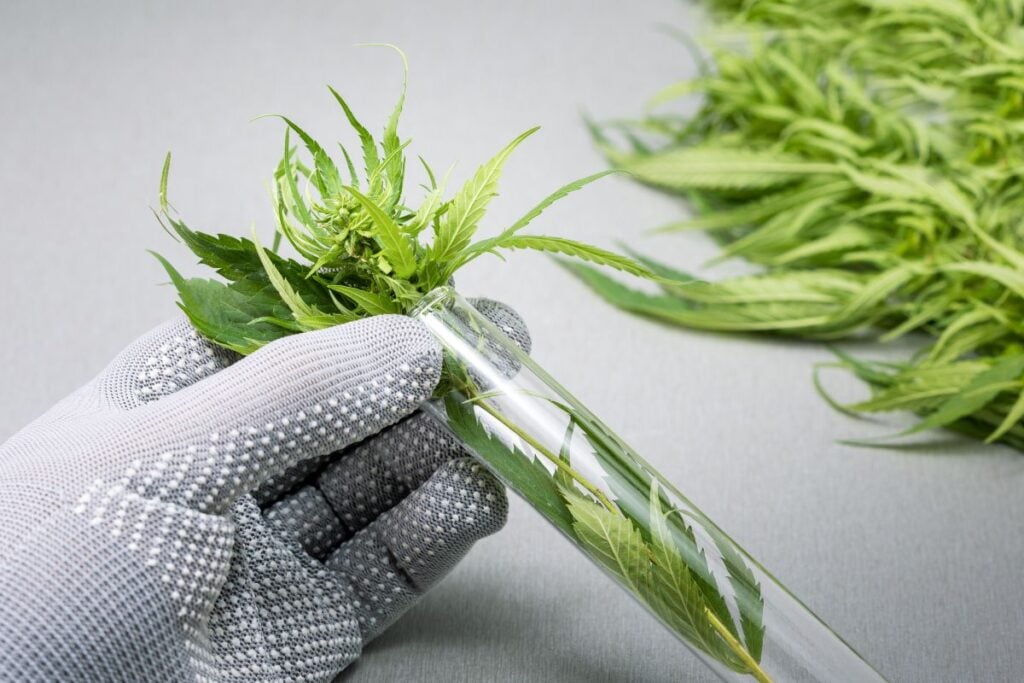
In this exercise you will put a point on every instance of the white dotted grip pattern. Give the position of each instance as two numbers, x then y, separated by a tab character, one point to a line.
190	515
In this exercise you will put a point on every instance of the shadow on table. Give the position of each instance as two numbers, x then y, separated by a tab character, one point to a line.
466	631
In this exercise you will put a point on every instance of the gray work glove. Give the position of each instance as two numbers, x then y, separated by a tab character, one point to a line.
189	515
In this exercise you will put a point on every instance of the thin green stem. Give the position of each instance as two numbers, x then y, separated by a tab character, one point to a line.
755	669
554	459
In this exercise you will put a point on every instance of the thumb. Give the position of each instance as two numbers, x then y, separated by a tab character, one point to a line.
300	397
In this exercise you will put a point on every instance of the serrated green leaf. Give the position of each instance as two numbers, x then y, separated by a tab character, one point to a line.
921	388
290	297
369	146
670	276
372	303
430	208
611	451
394	246
468	205
842	238
512	465
763	208
877	289
562	479
724	168
163	183
295	204
757	317
1011	420
1010	278
676	596
322	321
326	178
236	258
611	540
353	177
585	252
394	162
225	314
492	243
747	592
1005	375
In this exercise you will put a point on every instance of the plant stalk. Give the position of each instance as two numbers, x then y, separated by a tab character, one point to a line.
755	669
554	459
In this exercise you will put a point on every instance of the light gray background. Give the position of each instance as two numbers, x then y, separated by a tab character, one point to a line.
913	557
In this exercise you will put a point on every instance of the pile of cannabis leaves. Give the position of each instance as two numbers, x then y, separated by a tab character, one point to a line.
364	248
867	155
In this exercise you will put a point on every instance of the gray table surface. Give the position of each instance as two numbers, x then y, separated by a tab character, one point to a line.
913	557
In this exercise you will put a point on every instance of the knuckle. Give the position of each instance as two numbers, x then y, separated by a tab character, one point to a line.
507	319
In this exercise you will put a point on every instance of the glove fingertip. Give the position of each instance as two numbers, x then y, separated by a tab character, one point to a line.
437	524
168	358
405	345
507	319
296	399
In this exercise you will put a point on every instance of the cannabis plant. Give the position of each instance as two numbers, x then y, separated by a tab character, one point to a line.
362	250
866	154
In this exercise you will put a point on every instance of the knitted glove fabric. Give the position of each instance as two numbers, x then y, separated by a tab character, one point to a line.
192	515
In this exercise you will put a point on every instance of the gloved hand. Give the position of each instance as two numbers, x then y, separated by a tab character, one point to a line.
191	516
